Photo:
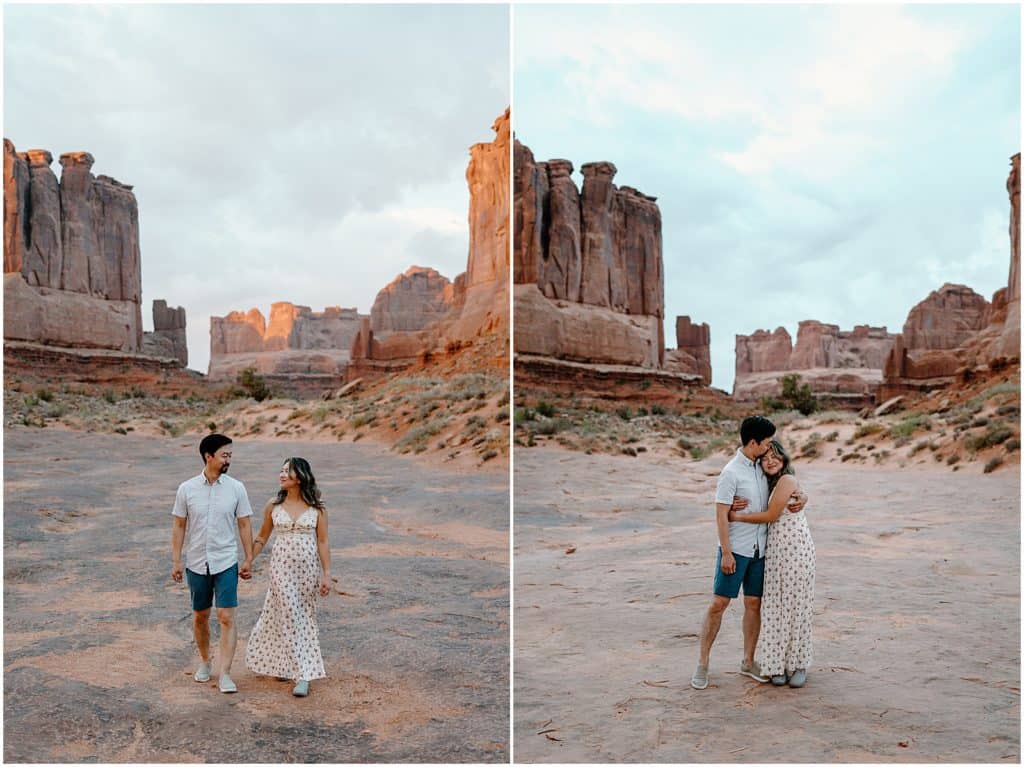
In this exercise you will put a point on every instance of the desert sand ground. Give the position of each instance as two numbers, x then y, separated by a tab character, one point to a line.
917	617
98	651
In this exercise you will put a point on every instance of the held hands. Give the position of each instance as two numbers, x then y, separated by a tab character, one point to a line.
177	572
245	570
325	585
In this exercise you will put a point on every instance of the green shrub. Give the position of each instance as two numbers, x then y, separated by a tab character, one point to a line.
993	436
867	429
45	395
253	384
624	413
546	409
657	410
1012	444
910	424
796	396
994	463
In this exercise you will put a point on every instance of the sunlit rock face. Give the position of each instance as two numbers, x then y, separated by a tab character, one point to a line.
412	301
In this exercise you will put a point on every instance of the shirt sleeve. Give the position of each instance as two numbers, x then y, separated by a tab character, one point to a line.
242	508
726	489
181	502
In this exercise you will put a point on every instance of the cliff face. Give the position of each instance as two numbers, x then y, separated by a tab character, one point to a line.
692	354
438	317
955	329
412	301
168	338
296	342
72	266
830	360
588	266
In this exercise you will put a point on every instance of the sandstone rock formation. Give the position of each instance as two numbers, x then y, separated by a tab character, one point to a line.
299	349
412	301
693	352
832	361
954	329
477	298
71	254
587	266
168	338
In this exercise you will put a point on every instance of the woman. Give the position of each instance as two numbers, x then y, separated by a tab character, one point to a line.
787	606
286	642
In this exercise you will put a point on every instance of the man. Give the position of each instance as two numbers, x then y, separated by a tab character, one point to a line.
741	547
206	511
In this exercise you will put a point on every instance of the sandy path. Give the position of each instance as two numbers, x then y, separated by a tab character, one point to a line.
917	627
97	638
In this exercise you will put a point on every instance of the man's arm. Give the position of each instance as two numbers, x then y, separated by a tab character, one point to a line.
177	539
722	521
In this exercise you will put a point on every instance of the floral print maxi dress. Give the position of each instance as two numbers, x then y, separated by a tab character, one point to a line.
285	641
787	605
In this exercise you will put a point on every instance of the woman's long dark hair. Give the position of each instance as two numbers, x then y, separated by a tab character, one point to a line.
787	465
307	484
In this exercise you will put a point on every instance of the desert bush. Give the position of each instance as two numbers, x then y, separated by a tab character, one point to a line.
44	395
253	384
994	463
546	409
524	414
624	413
910	424
1011	445
502	415
953	459
796	396
994	435
867	429
1008	410
488	455
657	410
416	439
832	436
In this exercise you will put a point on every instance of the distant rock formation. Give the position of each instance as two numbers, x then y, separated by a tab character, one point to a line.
168	338
412	301
954	329
72	266
693	352
297	343
477	298
831	361
587	266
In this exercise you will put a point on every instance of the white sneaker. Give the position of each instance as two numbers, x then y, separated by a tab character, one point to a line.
202	672
301	689
226	685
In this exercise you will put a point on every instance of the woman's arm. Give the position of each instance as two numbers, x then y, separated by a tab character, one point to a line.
265	529
324	550
776	504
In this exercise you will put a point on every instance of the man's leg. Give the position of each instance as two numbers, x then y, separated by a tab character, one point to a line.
201	632
709	629
751	626
228	635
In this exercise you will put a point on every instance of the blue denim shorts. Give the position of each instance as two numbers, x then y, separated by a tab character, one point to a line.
749	572
203	587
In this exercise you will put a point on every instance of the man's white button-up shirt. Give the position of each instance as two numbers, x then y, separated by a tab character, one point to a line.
212	510
744	478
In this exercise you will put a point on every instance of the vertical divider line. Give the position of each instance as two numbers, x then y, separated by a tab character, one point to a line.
511	384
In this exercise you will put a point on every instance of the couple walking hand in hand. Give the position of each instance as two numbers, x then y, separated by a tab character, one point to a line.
208	509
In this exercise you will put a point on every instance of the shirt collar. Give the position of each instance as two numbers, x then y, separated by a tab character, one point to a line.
743	457
202	476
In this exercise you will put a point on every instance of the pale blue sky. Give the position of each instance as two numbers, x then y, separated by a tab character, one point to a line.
834	163
304	153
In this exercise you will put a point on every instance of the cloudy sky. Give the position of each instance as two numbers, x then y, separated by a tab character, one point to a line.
278	153
834	163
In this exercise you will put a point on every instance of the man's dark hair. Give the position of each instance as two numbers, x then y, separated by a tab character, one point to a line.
757	428
212	443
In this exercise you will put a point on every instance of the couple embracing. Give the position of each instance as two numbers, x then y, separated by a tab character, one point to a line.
765	546
207	511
